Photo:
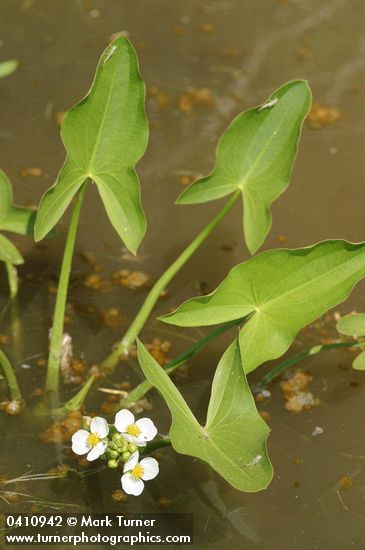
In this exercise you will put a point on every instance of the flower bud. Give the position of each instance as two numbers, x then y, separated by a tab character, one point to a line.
112	453
126	456
132	447
85	422
118	438
112	463
122	448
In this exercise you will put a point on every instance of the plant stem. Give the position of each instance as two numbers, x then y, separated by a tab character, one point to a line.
154	445
279	369
139	391
10	378
52	380
130	336
12	278
76	402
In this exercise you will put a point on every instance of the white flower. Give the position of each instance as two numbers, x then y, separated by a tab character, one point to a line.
91	442
136	472
136	432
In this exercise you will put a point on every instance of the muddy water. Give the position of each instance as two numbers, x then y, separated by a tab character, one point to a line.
240	51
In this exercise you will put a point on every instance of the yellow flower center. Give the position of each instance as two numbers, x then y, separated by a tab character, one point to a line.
93	439
133	429
137	471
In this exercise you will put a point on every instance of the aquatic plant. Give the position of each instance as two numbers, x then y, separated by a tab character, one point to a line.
267	300
15	219
119	444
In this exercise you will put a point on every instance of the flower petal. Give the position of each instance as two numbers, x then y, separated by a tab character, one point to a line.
131	462
97	451
123	419
80	445
99	426
131	485
150	468
148	429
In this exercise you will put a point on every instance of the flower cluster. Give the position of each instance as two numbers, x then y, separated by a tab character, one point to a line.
119	444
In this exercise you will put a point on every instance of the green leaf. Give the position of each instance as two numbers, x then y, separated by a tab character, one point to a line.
104	136
8	252
8	67
352	325
233	440
284	290
14	218
359	362
255	155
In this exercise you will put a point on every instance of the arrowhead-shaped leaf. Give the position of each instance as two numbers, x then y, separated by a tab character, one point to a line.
285	290
233	440
255	155
354	325
8	252
104	136
14	218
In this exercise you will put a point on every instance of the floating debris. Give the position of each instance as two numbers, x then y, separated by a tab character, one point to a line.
317	431
62	430
207	28
295	392
119	496
346	482
96	282
31	172
194	97
262	396
161	98
322	115
112	318
131	279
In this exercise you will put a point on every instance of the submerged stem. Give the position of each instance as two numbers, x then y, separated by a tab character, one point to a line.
130	336
76	402
139	391
276	371
52	380
12	279
10	378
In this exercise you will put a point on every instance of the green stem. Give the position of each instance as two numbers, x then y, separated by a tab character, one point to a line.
129	338
279	369
76	402
13	279
154	445
10	378
52	380
139	391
